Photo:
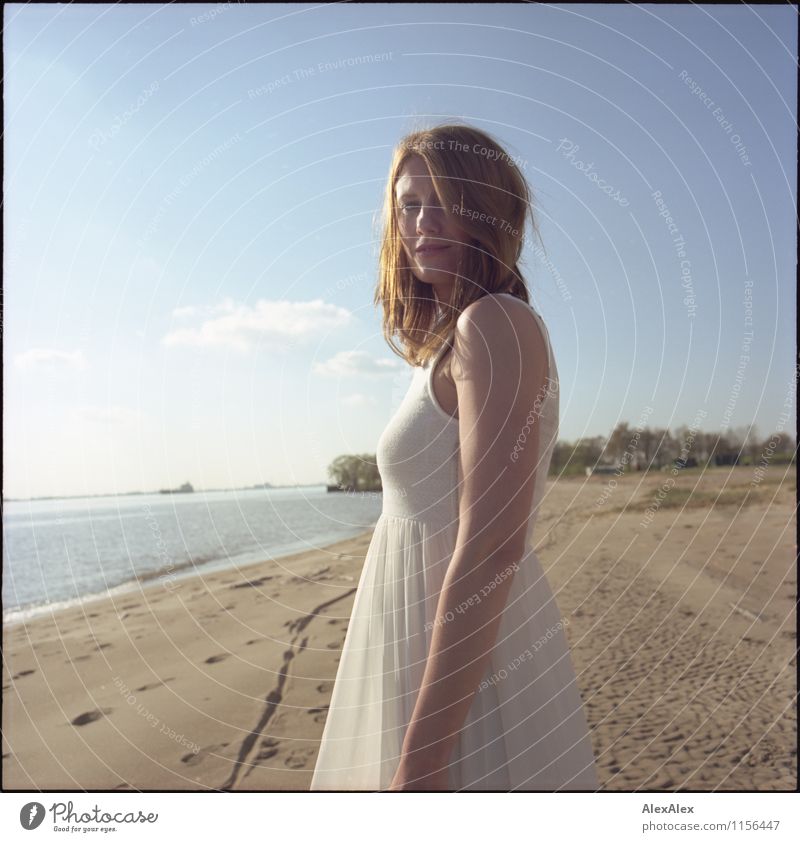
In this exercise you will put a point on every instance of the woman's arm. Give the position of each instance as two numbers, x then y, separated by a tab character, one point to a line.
499	367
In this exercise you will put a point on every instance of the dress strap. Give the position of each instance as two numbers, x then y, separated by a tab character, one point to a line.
546	333
428	377
440	350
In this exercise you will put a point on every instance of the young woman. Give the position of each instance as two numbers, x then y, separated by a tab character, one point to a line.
455	672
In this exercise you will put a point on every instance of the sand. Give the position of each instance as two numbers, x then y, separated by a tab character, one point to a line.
682	632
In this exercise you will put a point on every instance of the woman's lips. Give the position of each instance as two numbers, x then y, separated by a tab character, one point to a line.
431	249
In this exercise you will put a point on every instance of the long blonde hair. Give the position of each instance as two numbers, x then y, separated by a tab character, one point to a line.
471	170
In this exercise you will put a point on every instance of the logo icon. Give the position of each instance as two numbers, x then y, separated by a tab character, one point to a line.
31	815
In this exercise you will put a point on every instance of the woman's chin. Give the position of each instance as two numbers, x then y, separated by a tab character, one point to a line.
435	277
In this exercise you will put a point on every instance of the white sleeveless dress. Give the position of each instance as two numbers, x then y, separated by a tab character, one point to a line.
526	728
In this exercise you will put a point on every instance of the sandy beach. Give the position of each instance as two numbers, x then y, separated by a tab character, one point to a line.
682	628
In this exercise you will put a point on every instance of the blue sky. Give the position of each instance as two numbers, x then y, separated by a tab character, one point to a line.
191	242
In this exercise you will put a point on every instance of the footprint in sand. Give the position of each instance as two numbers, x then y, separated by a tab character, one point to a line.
320	714
269	748
23	672
78	658
298	758
324	687
91	716
253	583
154	684
215	659
193	758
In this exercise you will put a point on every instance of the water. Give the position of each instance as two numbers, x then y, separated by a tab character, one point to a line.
59	552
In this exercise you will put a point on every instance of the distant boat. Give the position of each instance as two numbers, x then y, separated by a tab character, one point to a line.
186	488
349	489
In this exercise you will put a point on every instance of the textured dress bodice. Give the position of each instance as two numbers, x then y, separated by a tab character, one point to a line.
418	452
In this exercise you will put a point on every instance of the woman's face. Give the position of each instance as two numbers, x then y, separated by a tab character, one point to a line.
431	239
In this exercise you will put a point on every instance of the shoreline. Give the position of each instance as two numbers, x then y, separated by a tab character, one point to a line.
30	613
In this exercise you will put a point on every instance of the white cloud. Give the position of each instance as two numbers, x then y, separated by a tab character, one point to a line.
49	358
267	321
357	363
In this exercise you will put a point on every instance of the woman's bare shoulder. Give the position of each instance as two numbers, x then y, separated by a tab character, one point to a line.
500	323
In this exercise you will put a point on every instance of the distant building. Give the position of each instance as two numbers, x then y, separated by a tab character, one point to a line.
186	488
601	469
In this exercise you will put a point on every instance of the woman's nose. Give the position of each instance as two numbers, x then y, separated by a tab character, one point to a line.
430	218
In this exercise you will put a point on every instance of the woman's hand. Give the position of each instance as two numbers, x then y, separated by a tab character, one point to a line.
405	780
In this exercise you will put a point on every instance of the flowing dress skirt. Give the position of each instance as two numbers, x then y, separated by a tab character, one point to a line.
526	728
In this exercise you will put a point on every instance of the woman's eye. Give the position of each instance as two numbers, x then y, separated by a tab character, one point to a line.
409	206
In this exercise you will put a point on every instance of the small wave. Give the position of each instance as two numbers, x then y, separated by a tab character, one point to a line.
22	614
150	575
210	563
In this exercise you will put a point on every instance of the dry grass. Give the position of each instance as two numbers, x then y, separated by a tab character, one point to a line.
697	489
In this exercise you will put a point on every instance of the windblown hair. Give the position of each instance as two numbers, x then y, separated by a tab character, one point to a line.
472	175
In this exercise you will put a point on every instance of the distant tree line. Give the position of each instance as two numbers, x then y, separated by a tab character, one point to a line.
646	449
355	472
630	449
